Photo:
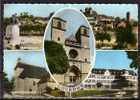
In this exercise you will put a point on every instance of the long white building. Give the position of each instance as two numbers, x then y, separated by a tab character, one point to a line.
103	78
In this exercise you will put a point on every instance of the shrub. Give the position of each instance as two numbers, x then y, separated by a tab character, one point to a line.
56	57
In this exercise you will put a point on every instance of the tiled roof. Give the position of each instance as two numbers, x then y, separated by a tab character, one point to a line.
31	71
112	71
71	38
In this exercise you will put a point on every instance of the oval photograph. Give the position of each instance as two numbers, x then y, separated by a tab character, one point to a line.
69	47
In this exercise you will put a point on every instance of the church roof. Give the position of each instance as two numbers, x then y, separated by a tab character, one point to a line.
71	38
30	71
71	41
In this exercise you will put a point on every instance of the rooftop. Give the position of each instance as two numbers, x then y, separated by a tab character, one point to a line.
112	71
30	71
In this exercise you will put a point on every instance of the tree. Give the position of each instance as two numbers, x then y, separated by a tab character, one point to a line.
56	57
44	78
103	36
8	84
24	15
6	22
121	82
48	89
135	23
99	85
133	55
125	36
117	20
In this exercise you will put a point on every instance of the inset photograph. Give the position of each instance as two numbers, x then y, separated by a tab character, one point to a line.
115	75
69	47
24	75
23	30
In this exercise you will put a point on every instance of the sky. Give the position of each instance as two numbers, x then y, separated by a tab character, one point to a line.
45	9
112	60
104	59
73	20
29	57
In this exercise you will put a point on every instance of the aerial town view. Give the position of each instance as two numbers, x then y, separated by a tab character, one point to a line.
95	47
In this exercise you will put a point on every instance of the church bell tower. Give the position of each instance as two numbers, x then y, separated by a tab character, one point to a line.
58	29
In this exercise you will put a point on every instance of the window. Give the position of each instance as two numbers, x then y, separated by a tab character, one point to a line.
34	83
85	59
30	90
58	38
73	53
59	24
93	80
85	31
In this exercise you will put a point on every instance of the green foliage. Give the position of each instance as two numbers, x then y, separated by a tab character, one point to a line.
135	23
48	89
125	36
29	25
25	15
8	84
56	57
29	28
92	92
133	55
6	22
103	36
120	82
117	19
58	93
99	85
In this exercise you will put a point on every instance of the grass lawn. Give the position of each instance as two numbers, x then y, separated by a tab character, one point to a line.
83	93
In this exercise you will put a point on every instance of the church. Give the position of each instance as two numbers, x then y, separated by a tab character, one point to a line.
77	48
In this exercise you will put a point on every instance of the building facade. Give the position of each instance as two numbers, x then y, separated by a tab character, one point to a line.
34	80
103	78
27	78
77	49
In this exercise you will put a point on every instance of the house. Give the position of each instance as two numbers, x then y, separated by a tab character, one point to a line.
91	16
43	83
107	22
27	77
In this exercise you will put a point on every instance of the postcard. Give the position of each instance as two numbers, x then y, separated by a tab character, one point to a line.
70	51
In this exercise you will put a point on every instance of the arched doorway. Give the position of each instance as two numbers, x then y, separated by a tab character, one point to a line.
75	74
